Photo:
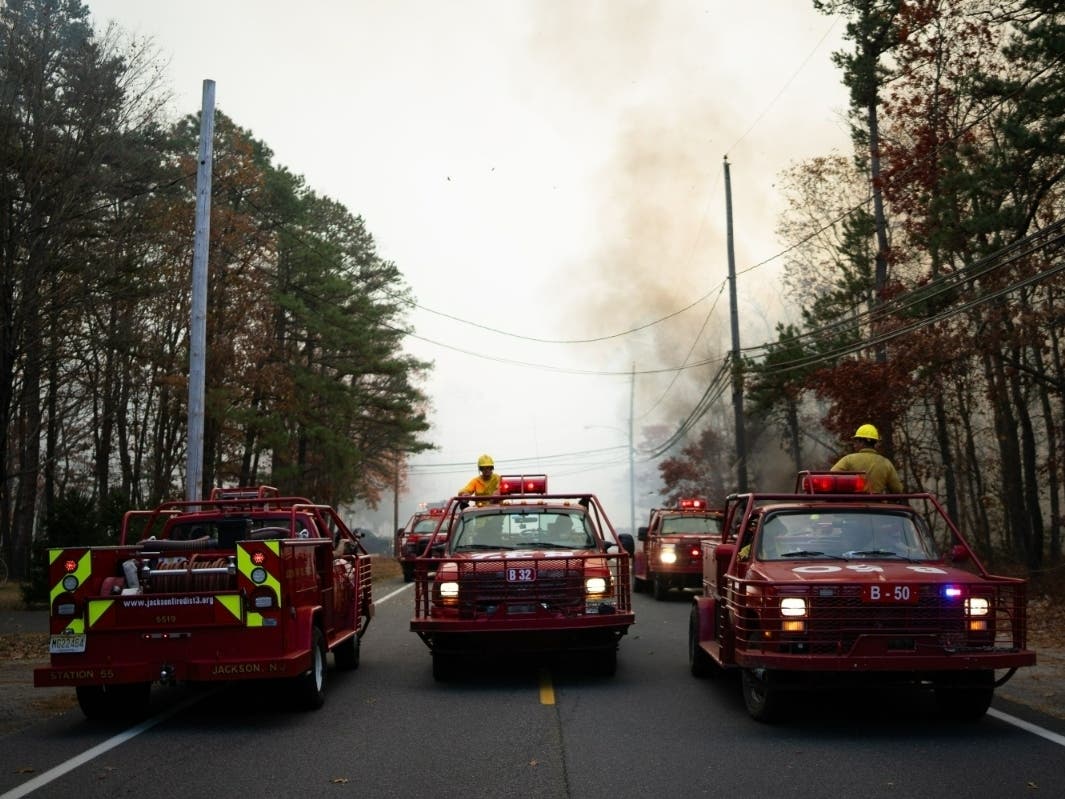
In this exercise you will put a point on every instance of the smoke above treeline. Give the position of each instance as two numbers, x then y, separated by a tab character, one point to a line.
672	99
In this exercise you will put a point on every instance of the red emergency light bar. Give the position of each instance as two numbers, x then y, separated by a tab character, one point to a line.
690	503
833	483
523	484
436	511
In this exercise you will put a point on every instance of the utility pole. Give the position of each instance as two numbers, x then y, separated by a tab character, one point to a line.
198	315
632	455
737	364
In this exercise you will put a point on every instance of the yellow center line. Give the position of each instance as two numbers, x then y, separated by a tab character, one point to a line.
547	689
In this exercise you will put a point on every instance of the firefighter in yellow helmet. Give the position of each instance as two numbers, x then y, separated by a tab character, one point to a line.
485	483
880	474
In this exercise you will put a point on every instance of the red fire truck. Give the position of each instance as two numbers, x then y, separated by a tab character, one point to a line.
415	534
829	584
670	549
245	585
524	571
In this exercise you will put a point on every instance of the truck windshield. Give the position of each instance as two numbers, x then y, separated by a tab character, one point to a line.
855	534
522	529
691	524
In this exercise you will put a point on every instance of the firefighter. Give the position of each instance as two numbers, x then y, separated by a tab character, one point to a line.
880	474
486	483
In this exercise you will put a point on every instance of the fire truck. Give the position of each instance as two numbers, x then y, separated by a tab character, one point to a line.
830	585
244	585
670	553
411	539
524	572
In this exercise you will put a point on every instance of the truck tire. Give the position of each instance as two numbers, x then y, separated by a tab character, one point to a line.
639	585
445	666
966	695
762	697
604	662
309	687
346	655
408	572
127	702
700	663
660	587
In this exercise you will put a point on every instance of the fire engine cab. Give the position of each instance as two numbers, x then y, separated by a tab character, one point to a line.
412	538
245	585
670	553
829	584
521	572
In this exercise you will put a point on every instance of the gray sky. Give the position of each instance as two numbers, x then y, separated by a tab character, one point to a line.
549	169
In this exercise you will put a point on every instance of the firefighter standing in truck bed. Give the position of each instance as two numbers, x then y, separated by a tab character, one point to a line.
880	472
486	483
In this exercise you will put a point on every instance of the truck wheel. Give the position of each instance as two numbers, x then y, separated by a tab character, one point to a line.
346	655
965	696
639	585
408	572
661	587
700	663
762	698
127	701
445	667
604	662
309	688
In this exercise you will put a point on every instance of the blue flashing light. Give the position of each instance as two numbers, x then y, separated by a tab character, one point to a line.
951	592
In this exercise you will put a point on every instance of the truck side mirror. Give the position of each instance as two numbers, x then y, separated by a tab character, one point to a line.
627	543
641	533
959	554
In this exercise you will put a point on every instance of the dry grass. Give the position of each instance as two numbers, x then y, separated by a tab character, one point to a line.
385	566
11	596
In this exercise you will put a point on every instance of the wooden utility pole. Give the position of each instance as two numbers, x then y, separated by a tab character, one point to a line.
198	315
737	363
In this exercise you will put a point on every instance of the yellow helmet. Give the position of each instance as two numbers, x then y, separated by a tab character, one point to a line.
485	460
867	431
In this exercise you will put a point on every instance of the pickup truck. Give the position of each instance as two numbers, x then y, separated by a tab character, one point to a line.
524	572
244	585
829	587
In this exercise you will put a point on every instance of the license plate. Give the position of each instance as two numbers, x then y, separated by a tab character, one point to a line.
59	644
889	594
521	575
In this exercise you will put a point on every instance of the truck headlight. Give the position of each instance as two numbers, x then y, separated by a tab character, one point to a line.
595	585
449	590
977	606
792	606
668	554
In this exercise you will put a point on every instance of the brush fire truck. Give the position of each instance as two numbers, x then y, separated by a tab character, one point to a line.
829	584
412	538
670	551
245	585
523	572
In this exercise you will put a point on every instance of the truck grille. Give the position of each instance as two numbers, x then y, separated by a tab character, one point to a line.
558	586
519	586
837	617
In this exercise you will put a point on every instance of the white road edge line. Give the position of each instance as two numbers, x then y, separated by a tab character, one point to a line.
91	754
383	599
1053	737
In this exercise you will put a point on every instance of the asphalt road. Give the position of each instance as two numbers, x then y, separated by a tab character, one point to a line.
531	730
